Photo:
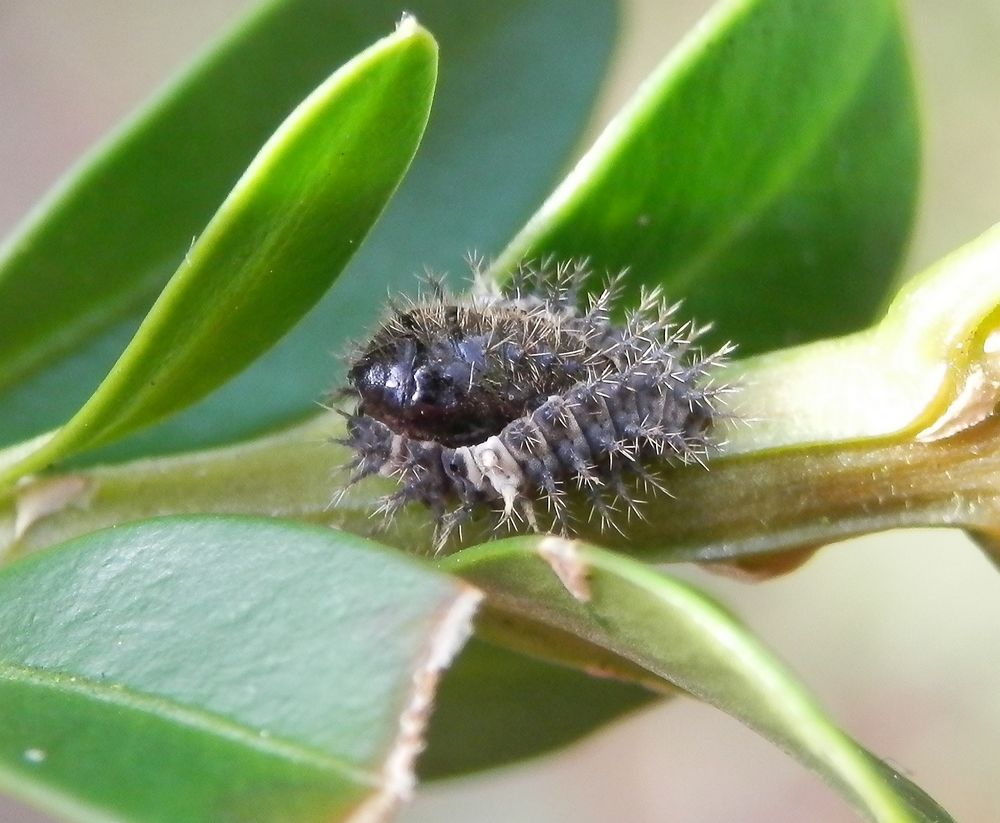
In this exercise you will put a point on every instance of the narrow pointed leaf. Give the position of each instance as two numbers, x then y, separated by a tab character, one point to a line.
275	245
210	669
79	275
676	633
766	173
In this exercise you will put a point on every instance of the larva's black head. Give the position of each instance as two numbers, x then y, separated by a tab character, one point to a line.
433	387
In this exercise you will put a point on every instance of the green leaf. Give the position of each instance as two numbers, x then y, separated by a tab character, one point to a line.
675	633
218	668
495	707
275	245
83	270
893	426
766	173
929	367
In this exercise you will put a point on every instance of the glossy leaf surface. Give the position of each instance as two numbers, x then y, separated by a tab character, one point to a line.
72	293
912	444
275	245
766	173
216	668
677	634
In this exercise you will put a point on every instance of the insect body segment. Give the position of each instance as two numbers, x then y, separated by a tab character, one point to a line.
505	400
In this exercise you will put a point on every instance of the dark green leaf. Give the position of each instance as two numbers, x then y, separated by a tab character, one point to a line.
496	707
77	278
912	443
893	426
275	245
215	669
766	173
929	367
675	633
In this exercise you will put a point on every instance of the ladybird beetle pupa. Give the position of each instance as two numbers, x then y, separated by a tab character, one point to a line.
504	399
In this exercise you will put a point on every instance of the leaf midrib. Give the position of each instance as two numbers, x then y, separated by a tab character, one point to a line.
193	718
828	748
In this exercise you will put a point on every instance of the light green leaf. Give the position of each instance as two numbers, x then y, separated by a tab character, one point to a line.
78	277
675	633
894	426
766	173
275	245
218	668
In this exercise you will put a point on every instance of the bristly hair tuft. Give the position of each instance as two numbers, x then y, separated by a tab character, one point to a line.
509	398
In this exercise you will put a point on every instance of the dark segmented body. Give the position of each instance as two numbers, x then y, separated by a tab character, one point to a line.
511	398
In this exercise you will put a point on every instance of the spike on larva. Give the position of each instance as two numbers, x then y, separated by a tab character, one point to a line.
507	399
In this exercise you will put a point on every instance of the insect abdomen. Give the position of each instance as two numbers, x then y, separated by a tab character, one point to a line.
515	398
598	434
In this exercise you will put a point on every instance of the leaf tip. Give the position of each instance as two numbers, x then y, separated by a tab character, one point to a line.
409	28
407	24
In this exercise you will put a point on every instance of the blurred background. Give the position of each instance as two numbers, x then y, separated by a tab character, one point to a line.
898	634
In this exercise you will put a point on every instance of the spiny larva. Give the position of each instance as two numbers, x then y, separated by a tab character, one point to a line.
504	399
